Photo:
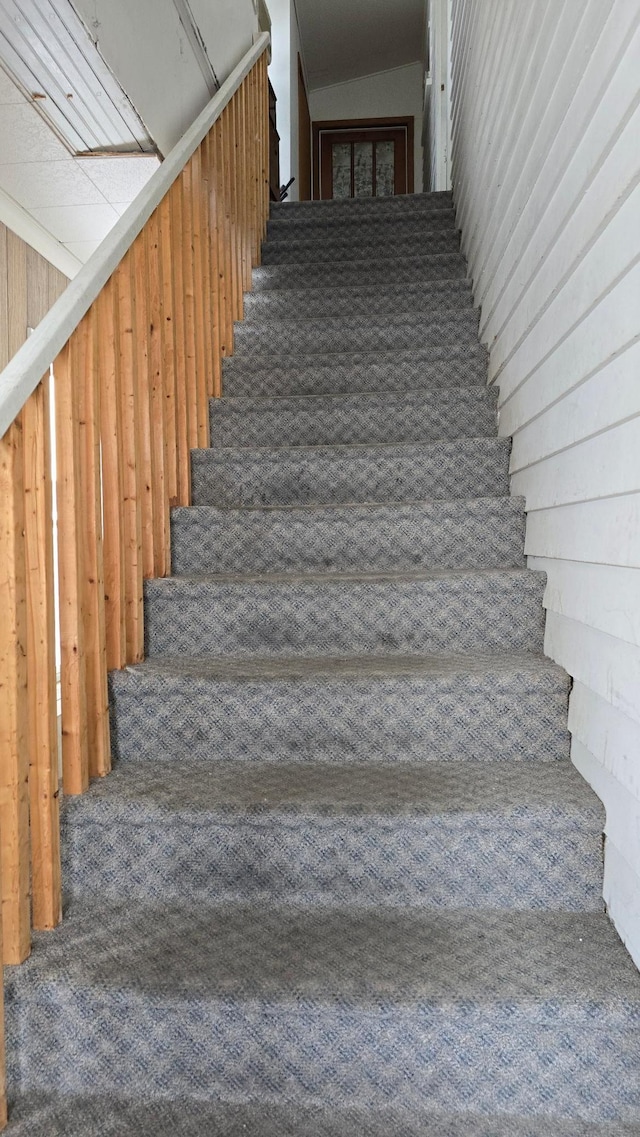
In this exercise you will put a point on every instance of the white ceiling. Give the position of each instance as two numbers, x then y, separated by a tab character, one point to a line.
343	39
76	200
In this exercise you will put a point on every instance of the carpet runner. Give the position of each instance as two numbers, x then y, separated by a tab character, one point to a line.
344	877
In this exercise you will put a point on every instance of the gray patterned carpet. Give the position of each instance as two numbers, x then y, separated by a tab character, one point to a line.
344	878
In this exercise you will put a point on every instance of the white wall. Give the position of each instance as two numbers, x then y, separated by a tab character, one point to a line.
546	161
283	73
148	51
386	94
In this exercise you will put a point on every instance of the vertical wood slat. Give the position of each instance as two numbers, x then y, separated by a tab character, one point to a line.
112	476
242	165
189	301
14	741
223	241
75	766
203	367
145	439
93	604
180	345
210	330
211	207
157	400
130	504
174	447
41	662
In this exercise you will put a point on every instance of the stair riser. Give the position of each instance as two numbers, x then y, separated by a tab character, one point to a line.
443	367
516	716
354	248
365	270
313	303
477	468
358	207
439	862
485	534
472	613
441	1057
322	336
350	421
420	222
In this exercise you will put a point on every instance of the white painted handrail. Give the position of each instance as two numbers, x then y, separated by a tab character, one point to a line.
23	373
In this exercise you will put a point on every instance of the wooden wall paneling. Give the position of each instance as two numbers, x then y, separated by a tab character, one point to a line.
131	495
112	475
17	291
160	489
145	440
180	346
228	135
191	375
93	560
236	170
167	253
57	284
41	662
203	360
211	206
38	298
266	192
71	548
14	740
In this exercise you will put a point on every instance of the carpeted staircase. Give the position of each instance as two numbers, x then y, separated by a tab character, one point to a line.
344	878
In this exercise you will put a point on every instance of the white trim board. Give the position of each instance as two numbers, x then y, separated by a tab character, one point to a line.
26	227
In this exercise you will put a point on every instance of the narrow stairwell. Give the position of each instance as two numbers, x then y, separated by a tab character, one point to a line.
349	880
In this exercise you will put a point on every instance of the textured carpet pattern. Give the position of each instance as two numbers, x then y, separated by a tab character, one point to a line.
481	533
318	475
312	303
478	708
333	334
344	877
356	371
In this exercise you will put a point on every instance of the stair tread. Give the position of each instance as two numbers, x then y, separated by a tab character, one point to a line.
467	317
373	509
393	268
347	450
549	967
274	300
293	360
352	576
241	404
437	665
33	1115
433	789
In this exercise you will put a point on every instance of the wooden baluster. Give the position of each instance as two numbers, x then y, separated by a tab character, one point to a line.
145	435
177	279
228	160
174	455
210	329
41	661
161	539
191	376
225	302
14	740
71	570
93	601
234	167
203	363
214	271
243	179
112	475
131	493
266	178
256	163
3	1065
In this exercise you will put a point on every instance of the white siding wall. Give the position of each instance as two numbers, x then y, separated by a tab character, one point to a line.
546	169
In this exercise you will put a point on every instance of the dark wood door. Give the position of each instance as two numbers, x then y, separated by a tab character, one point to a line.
370	161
